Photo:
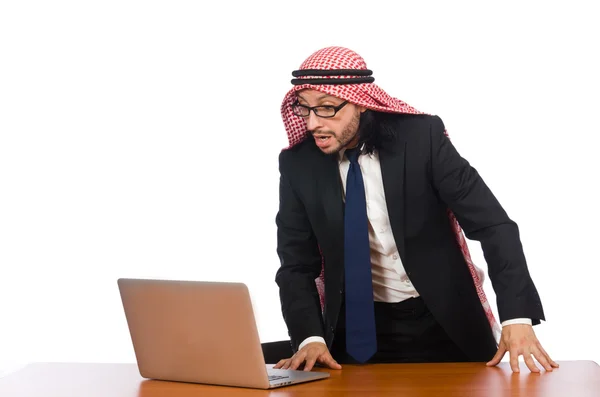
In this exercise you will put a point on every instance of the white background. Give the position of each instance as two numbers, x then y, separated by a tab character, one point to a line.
140	139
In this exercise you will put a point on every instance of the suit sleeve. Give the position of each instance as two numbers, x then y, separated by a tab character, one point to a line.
483	219
300	265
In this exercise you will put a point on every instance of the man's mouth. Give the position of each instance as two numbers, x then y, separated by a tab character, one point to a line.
323	140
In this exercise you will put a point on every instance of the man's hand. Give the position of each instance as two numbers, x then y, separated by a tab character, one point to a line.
309	354
519	339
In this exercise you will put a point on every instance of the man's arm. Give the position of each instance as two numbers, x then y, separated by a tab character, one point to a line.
300	266
483	219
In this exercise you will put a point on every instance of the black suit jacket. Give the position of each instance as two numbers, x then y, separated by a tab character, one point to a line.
423	177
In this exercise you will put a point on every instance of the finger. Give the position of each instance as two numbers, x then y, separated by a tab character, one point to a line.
498	356
297	360
328	360
552	362
287	364
542	358
514	360
530	363
310	362
280	363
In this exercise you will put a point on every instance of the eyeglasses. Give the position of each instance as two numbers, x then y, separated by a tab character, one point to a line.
325	111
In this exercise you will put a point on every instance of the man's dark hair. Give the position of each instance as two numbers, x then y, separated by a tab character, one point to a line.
374	129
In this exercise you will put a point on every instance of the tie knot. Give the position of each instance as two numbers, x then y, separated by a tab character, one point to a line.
352	155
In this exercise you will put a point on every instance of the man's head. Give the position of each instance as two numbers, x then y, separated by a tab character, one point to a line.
332	122
334	76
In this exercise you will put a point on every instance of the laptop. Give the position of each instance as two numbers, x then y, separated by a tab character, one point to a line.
199	332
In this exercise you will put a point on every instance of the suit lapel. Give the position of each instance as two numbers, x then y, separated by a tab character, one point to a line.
329	187
393	165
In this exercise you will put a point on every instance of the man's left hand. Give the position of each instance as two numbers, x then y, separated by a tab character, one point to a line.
519	339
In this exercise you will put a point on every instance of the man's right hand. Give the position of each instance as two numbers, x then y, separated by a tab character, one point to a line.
309	355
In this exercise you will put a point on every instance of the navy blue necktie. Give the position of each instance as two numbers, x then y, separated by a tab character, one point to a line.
361	340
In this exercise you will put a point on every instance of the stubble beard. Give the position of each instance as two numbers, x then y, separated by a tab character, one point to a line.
346	137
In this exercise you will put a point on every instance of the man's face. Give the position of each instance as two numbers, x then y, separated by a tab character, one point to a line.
331	134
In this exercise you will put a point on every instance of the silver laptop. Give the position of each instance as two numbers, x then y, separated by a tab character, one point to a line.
199	332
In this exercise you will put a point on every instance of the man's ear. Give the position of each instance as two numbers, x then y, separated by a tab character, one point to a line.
362	109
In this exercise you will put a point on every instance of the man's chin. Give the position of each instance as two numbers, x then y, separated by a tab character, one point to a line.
331	151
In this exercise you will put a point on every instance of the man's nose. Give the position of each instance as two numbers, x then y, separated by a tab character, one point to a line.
313	122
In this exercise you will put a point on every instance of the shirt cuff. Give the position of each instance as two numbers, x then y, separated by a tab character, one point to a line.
516	321
310	340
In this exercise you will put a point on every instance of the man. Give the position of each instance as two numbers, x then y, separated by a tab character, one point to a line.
374	266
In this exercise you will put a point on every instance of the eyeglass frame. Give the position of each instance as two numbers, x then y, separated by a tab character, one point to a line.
335	108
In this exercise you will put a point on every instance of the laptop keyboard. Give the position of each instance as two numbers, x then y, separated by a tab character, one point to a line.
276	377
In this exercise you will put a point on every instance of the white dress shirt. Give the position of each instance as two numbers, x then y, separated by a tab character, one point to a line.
390	281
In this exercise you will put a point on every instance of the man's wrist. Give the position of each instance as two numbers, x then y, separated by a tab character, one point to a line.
310	340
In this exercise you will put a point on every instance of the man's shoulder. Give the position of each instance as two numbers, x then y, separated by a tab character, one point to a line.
414	129
411	124
299	152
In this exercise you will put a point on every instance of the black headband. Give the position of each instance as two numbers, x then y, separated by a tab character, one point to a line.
362	76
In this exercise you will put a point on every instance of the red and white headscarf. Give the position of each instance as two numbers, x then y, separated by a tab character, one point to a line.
319	72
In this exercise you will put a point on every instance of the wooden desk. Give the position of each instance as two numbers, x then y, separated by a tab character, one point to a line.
572	379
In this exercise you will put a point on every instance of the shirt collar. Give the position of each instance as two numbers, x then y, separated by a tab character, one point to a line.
341	153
